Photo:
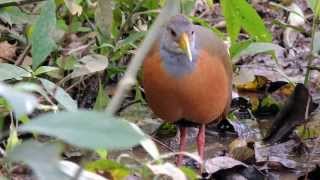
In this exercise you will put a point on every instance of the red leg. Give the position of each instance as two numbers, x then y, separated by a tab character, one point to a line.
182	145
201	141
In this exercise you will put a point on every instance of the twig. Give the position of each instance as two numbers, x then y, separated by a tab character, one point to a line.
17	2
23	55
171	8
127	105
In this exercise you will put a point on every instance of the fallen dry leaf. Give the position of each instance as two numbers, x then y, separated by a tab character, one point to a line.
8	51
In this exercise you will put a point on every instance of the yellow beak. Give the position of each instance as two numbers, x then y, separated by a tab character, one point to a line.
184	44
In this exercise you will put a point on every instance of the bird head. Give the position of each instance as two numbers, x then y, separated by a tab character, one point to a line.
178	37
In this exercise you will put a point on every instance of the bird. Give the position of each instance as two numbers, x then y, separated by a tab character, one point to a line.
187	78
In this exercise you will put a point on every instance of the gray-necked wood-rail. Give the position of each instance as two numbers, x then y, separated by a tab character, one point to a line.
187	77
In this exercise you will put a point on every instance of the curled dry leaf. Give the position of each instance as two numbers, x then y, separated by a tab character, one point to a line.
71	169
8	51
73	7
90	64
168	169
296	18
223	162
276	155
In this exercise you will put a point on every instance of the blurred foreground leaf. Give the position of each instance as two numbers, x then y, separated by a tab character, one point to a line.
9	71
86	129
60	95
22	103
42	158
106	166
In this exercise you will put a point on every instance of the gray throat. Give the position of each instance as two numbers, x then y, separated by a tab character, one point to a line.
178	64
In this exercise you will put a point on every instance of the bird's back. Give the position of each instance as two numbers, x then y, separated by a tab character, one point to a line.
201	96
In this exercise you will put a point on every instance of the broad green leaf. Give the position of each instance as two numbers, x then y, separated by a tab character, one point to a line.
255	48
42	158
239	46
45	69
13	15
239	13
87	129
232	19
41	39
116	170
60	95
31	87
9	71
22	103
102	99
90	64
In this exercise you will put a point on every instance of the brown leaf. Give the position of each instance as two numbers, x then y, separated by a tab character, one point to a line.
7	50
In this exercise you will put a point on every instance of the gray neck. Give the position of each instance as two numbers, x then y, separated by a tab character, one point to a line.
178	64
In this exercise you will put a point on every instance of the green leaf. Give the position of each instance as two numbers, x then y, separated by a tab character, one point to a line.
102	153
13	139
232	19
32	87
41	40
255	48
67	63
45	69
60	95
187	6
116	170
13	15
239	13
42	158
190	173
102	99
22	103
87	129
9	71
132	38
239	46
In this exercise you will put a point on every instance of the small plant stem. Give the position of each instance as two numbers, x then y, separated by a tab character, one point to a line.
310	57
